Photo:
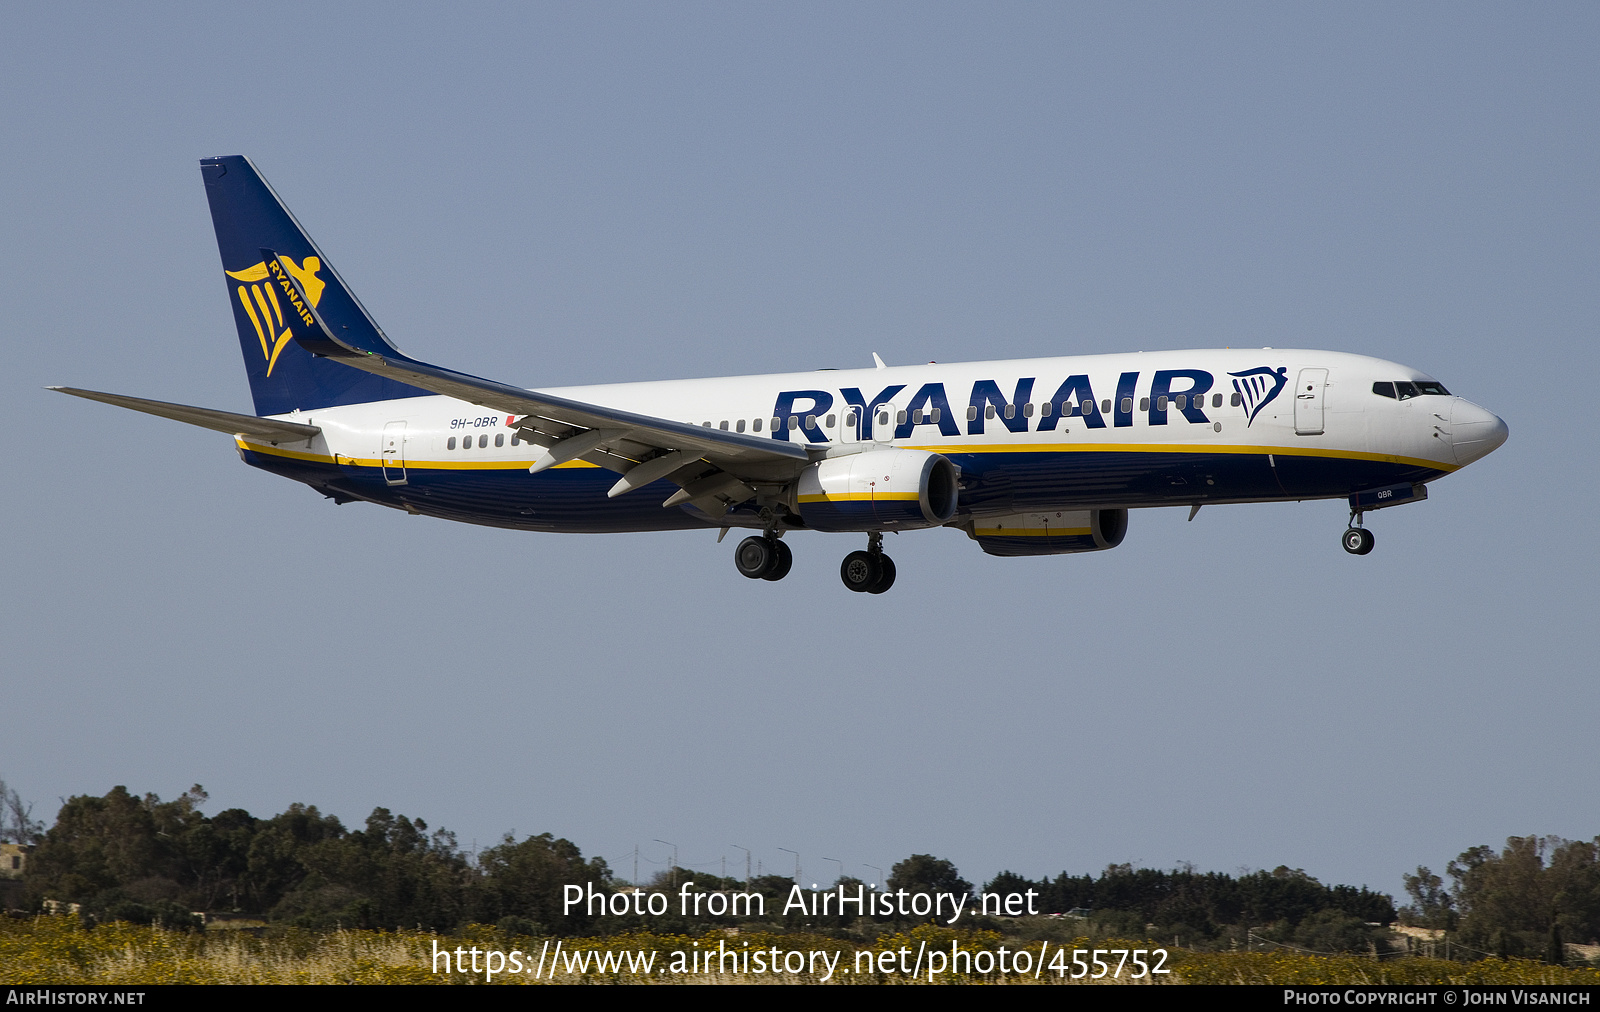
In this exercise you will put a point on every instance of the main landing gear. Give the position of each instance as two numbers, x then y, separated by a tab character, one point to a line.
868	572
1357	539
763	558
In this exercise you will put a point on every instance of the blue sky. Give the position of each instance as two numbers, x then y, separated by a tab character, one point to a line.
562	194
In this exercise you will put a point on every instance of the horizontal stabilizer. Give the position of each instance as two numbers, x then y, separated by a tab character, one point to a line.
207	418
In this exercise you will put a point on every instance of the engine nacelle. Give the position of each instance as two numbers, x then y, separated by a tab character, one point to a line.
1058	532
890	489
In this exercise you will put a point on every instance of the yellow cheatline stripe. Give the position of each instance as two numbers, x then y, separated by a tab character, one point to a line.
429	465
1286	451
244	300
857	496
1229	448
1032	532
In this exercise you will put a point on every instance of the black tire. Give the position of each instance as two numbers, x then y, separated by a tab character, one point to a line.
754	557
1358	540
885	577
782	561
860	571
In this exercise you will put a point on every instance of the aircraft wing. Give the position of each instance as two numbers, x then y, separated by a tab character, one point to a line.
716	469
233	424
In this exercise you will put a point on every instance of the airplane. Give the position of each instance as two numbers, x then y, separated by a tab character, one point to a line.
1028	457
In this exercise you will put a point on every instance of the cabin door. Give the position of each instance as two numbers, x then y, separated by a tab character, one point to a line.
1308	402
392	453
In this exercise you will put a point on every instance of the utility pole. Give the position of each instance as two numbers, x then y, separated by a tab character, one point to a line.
674	862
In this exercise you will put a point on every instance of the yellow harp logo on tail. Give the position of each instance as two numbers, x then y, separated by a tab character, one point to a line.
264	306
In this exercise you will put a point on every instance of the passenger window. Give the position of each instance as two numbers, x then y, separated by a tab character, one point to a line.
849	418
1127	405
1235	399
934	415
830	421
499	439
1011	411
988	411
777	423
1182	401
1044	409
1144	404
794	422
899	417
1216	400
755	426
516	440
916	416
1161	403
483	442
811	422
972	412
1105	405
1027	410
1384	390
739	425
450	444
723	425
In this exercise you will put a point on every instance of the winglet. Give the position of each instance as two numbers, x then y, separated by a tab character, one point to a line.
878	361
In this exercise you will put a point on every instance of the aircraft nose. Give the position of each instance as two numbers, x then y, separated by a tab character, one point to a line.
1475	432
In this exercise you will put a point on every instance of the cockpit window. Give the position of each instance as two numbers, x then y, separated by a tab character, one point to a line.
1406	390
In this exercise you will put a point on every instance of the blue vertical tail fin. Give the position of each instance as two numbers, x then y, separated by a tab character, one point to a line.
248	216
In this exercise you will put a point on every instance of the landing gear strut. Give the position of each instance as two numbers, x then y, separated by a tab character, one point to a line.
763	558
1357	539
871	571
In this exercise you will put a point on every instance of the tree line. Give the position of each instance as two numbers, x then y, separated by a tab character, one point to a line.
127	857
1527	899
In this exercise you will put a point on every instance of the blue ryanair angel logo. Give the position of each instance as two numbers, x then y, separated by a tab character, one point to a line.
1252	387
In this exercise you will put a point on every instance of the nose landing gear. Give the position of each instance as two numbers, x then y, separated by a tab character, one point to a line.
868	572
1357	539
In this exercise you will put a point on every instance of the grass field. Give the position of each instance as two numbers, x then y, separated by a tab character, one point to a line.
58	950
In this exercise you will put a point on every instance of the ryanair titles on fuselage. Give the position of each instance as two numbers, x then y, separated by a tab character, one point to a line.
1170	391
